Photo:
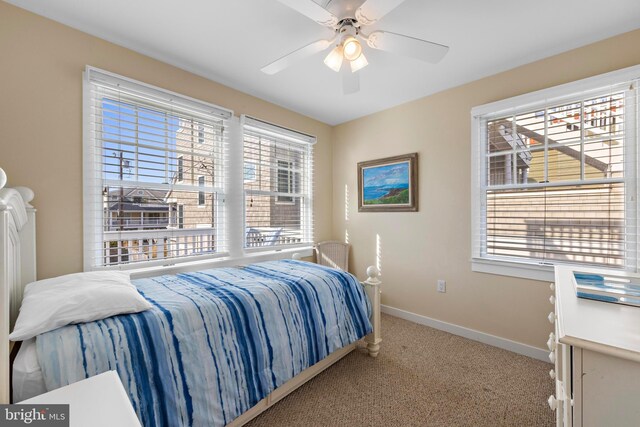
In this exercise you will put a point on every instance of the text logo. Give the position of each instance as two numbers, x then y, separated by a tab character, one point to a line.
34	415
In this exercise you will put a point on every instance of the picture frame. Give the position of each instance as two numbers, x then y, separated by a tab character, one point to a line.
389	184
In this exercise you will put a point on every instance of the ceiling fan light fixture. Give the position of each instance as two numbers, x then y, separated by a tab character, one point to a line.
352	48
359	63
334	58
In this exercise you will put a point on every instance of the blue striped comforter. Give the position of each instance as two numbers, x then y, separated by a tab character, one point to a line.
216	342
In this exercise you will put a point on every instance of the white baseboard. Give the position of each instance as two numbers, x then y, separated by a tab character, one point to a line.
516	347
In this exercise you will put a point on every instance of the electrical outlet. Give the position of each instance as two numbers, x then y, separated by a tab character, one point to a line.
442	285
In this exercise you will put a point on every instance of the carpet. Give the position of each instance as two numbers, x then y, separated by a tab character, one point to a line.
422	377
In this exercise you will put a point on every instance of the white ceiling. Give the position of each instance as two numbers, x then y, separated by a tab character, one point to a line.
229	41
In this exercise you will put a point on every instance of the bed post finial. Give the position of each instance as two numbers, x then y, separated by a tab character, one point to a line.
27	195
373	282
3	179
372	275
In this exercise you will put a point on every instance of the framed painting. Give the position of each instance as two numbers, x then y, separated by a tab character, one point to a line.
388	185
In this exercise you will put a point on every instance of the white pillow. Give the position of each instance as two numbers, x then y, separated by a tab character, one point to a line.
75	298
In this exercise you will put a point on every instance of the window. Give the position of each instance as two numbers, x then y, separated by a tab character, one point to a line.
249	172
200	134
180	216
278	202
180	168
555	178
285	181
201	194
140	164
158	169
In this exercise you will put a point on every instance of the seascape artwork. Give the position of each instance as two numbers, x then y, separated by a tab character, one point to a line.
389	184
386	185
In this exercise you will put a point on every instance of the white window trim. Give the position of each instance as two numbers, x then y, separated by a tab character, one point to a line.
208	261
535	270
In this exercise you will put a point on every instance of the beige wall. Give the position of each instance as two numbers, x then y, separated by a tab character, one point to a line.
435	243
41	64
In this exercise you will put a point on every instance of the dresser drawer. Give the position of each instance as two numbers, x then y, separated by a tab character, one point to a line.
596	354
610	390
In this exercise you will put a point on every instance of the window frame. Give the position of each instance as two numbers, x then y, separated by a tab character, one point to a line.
230	198
304	196
534	269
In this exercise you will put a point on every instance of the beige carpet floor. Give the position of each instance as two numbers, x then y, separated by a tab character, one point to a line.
422	377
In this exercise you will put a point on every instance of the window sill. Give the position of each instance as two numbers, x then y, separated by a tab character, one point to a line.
523	270
227	261
289	248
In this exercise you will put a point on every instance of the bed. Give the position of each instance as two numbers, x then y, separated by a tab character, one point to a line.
219	346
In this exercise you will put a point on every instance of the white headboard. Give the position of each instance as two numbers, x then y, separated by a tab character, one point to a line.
17	265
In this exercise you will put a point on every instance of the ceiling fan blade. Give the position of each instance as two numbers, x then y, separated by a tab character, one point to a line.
407	46
295	56
312	10
350	82
373	10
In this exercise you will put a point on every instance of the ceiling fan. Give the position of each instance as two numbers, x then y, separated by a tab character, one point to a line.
348	37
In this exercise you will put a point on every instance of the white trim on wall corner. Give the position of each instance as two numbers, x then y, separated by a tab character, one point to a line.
472	334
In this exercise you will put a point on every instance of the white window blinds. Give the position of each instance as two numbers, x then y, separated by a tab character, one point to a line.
558	179
278	186
154	174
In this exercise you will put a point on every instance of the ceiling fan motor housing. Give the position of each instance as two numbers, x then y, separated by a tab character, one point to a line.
348	25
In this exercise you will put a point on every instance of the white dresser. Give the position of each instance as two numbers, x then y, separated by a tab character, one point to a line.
595	347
